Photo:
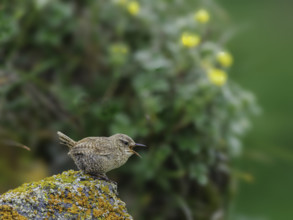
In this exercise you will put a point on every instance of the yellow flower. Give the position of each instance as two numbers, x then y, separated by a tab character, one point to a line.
119	48
190	40
225	59
133	7
202	16
217	76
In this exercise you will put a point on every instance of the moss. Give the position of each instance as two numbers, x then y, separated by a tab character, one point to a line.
67	195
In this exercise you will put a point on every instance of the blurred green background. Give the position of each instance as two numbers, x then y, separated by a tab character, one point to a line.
54	58
263	53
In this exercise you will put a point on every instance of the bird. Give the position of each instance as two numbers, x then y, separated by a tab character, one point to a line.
98	155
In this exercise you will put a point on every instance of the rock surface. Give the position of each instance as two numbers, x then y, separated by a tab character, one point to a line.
70	195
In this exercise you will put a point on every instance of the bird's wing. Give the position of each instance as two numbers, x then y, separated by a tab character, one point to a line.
94	145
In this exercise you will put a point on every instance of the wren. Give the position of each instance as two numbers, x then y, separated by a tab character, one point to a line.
98	155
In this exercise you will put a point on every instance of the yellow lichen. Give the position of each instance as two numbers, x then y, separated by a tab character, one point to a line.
105	189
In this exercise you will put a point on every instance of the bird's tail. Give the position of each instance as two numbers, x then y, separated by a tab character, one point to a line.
66	140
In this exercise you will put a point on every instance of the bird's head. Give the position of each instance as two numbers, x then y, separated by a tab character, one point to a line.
126	144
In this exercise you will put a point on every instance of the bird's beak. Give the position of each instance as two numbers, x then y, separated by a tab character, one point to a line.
137	145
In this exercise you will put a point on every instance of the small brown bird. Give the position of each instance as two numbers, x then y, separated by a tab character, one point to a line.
98	155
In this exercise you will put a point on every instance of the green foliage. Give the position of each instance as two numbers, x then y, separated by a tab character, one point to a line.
98	68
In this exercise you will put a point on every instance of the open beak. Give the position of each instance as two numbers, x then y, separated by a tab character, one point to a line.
137	145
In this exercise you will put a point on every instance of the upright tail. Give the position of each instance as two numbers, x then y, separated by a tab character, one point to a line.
66	140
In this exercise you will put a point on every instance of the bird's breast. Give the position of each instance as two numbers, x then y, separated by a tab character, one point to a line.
120	160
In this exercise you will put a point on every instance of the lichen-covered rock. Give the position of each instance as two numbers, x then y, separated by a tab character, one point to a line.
70	195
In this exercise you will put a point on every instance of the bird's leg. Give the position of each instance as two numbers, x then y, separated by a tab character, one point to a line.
103	176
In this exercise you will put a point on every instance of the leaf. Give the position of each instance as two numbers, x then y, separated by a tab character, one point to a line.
188	143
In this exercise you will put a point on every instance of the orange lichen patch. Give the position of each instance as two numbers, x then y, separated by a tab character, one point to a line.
113	216
73	209
8	213
69	195
88	212
97	213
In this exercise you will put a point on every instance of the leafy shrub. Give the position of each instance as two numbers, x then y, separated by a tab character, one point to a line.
155	70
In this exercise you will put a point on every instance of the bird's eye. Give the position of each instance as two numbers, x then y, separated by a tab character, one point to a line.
125	142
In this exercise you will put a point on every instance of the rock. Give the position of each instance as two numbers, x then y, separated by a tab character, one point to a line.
70	195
